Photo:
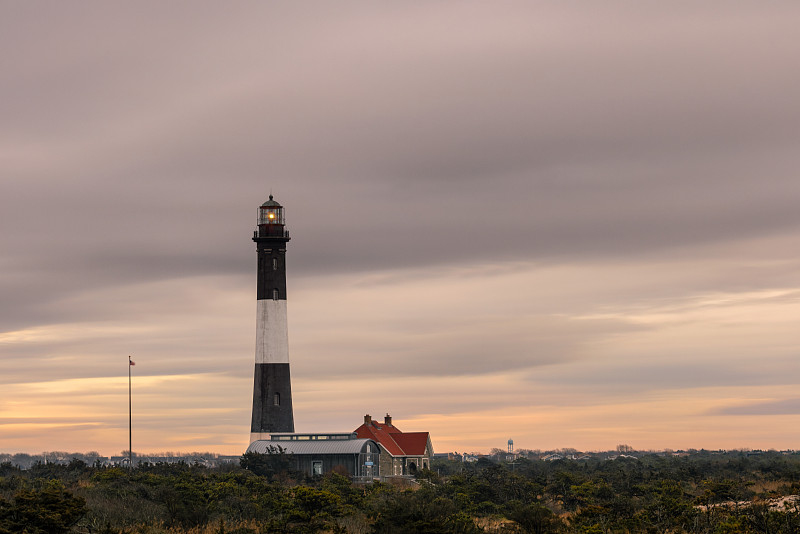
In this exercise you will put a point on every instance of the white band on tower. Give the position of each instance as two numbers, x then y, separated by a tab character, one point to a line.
272	332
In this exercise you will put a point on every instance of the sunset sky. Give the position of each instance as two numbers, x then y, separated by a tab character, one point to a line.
572	224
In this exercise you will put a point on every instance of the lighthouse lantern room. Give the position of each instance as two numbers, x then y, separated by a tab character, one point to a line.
270	219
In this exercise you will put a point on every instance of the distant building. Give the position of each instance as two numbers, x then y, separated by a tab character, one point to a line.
448	456
402	453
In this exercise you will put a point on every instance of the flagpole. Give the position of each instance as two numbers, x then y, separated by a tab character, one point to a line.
130	417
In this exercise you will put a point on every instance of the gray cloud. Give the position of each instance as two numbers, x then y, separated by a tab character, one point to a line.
466	347
136	142
781	407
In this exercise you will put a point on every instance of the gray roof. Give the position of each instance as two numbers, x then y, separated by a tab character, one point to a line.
271	203
322	446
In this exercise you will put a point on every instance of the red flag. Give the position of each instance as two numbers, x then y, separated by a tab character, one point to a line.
132	362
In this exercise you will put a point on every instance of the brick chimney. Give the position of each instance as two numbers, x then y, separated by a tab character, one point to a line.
387	420
367	419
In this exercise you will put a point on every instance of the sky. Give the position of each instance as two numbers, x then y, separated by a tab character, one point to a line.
569	224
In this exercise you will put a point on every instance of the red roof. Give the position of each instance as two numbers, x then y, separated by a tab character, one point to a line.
413	443
393	439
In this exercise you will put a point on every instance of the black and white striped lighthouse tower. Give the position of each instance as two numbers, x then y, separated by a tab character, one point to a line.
272	390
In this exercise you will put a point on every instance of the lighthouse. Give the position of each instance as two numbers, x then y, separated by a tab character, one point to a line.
272	389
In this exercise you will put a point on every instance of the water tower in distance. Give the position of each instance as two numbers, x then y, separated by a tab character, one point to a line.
510	446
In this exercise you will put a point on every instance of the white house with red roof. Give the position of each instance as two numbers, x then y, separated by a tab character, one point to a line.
402	453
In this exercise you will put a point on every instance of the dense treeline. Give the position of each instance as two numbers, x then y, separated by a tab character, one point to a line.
700	493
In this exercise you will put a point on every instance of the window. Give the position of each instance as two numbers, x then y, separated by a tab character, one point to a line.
274	264
276	399
316	468
275	294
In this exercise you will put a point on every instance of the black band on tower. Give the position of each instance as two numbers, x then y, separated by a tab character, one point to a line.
272	399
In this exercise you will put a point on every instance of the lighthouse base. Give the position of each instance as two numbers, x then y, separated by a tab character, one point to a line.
272	399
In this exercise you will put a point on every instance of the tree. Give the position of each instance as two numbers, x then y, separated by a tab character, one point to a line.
269	465
420	511
535	518
51	510
7	468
